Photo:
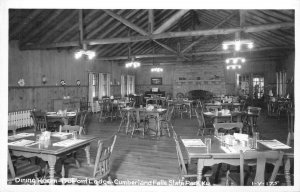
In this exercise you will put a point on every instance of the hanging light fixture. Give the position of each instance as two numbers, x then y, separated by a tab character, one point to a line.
235	62
237	44
83	51
155	67
131	63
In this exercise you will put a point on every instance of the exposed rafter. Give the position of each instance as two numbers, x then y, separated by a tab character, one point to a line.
247	29
126	22
202	38
167	24
195	54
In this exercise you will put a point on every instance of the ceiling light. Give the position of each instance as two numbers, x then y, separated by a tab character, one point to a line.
238	44
157	69
132	63
89	54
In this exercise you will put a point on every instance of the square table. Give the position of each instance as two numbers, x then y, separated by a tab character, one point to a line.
218	155
49	152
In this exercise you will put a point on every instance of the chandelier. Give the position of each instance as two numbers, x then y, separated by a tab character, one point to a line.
235	62
237	44
157	69
132	63
89	54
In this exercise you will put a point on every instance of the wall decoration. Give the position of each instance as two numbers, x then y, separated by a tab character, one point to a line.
156	81
78	83
21	82
44	79
62	82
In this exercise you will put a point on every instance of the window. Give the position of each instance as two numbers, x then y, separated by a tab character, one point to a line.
99	86
123	86
281	83
130	84
104	85
258	87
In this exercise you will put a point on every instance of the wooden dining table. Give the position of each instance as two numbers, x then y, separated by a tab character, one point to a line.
54	116
49	151
216	116
155	113
217	155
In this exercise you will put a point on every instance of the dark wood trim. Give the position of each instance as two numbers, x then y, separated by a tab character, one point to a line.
168	23
126	22
246	29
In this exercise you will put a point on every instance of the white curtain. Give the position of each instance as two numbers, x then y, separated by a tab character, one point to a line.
123	86
90	87
130	84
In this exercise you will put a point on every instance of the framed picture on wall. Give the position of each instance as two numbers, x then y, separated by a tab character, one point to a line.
156	81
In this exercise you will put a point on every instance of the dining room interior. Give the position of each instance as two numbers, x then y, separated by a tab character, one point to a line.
151	97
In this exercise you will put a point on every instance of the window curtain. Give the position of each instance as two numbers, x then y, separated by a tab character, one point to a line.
91	87
281	83
123	86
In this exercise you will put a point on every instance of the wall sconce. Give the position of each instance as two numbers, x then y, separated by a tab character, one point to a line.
44	79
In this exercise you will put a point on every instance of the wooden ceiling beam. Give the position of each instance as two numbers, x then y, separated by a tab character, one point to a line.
25	22
196	54
202	38
168	23
170	49
246	29
150	21
120	28
126	22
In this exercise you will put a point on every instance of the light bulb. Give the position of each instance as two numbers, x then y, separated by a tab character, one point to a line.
228	67
250	45
235	60
227	60
243	60
233	67
239	66
78	54
237	45
225	46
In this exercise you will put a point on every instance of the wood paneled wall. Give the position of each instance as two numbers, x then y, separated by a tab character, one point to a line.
55	66
206	71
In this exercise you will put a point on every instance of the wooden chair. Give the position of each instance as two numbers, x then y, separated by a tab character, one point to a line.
18	161
201	122
183	167
70	159
39	120
261	158
101	168
13	128
124	120
21	172
228	127
138	122
213	107
252	116
290	117
166	121
83	121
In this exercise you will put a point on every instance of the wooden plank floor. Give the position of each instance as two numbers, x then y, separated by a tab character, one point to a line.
152	158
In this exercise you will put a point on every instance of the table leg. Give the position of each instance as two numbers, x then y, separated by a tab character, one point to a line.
51	162
287	175
199	171
158	125
128	119
87	154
